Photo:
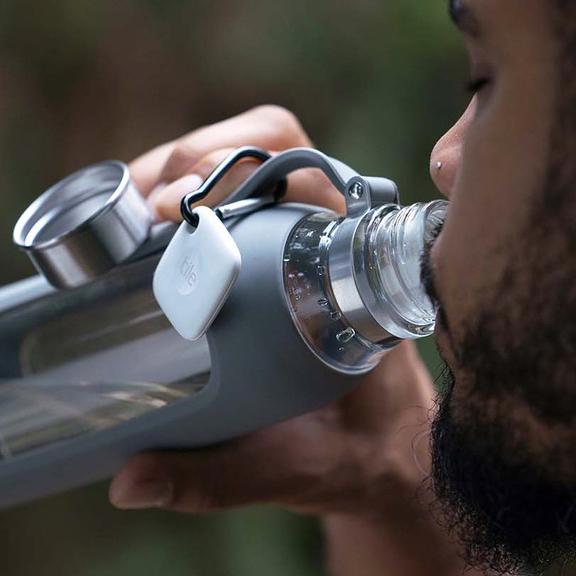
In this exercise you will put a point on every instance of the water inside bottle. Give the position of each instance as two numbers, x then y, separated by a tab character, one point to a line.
39	412
68	370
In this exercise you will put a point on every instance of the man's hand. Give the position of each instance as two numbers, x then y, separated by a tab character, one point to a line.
359	463
165	174
365	455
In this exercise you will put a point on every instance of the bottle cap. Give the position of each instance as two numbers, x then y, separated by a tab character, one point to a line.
84	225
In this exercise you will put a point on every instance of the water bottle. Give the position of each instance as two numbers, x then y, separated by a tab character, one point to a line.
92	371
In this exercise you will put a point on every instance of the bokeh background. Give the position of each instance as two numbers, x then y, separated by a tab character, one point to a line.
375	82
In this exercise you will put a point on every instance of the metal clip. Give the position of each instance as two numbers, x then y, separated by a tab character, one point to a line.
242	206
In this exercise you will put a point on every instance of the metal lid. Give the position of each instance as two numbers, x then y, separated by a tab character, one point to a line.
84	225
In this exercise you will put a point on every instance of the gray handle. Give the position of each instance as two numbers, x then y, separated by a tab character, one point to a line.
361	193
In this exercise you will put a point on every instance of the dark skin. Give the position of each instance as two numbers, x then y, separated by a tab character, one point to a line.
360	463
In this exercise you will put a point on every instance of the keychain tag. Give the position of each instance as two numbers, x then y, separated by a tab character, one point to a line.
196	273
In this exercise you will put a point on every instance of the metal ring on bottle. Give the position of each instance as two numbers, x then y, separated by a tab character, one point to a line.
84	225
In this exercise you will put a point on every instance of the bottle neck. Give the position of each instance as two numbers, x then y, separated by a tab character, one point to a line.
375	270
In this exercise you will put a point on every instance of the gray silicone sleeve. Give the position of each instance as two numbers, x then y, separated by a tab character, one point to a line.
262	371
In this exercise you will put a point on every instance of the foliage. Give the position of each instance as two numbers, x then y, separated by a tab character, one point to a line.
374	81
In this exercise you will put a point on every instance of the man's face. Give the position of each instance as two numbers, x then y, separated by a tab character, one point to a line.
504	436
494	161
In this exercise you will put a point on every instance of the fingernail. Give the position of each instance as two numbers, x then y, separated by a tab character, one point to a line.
157	190
150	494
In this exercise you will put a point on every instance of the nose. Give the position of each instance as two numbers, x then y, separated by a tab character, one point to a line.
447	154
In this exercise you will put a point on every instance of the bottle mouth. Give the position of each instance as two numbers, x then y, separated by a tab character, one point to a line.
399	240
434	217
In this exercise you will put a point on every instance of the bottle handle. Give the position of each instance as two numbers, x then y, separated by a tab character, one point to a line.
361	193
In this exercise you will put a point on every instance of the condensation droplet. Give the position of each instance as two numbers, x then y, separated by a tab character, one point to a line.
300	274
335	315
323	302
346	335
287	258
321	270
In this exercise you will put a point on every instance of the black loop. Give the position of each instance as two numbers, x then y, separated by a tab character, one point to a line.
217	174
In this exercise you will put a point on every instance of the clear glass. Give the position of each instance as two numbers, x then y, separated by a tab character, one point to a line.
312	304
396	239
385	255
36	413
68	368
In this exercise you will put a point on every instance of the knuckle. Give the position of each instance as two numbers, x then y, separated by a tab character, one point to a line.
283	121
182	158
207	164
193	498
200	490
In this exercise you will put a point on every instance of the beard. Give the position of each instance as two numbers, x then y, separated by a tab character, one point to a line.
507	510
504	434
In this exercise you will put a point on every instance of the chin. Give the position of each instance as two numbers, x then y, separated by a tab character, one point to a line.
506	509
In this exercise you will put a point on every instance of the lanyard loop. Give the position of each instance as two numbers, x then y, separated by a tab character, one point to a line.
217	174
268	183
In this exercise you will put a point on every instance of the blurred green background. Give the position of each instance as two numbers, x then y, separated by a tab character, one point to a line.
375	83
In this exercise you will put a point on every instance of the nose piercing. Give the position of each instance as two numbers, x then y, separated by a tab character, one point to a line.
439	165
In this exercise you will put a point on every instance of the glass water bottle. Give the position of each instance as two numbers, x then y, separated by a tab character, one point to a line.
354	286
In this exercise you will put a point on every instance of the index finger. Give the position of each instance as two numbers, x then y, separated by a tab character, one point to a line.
279	464
268	127
145	169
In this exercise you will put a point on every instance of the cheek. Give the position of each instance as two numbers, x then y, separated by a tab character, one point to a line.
502	165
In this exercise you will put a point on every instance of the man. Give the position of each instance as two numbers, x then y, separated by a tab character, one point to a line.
502	272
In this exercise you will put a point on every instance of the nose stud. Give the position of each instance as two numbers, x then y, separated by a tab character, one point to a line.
439	166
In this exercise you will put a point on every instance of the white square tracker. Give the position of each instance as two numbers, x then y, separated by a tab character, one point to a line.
196	273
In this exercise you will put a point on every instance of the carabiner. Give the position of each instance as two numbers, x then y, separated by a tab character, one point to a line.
218	173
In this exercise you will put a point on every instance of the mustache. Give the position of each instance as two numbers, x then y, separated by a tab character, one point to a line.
428	277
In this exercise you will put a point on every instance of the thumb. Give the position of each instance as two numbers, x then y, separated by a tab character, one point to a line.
199	481
278	464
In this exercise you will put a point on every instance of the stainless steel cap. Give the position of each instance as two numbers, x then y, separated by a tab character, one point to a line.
84	225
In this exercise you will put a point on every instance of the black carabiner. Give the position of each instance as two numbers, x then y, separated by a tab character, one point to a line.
218	173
